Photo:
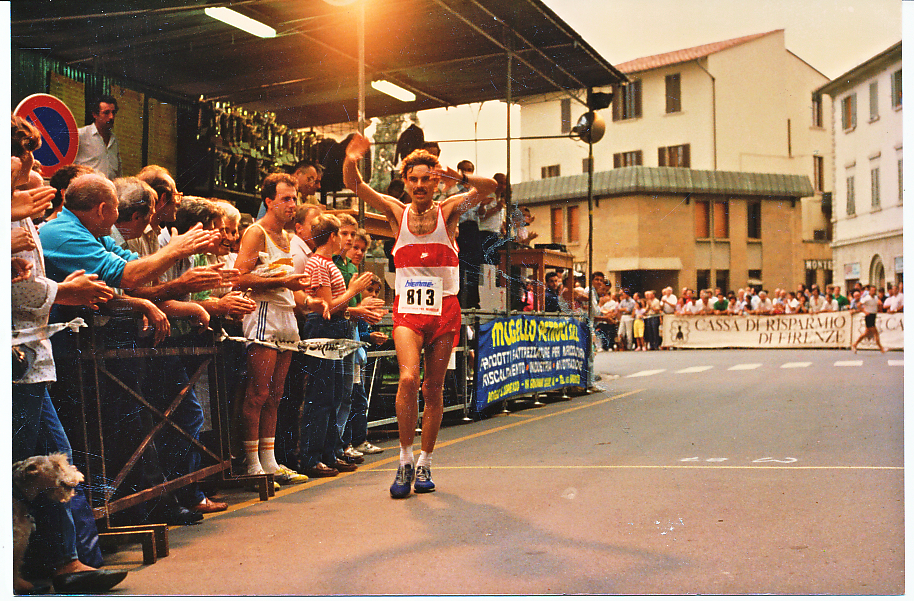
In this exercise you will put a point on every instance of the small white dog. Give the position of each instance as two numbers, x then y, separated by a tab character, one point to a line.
49	474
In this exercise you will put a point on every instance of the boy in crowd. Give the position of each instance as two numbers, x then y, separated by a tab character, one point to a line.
320	435
355	435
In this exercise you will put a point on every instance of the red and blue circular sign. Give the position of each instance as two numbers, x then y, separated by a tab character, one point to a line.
59	135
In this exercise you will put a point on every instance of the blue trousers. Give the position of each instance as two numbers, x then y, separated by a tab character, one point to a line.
320	435
37	431
357	427
177	455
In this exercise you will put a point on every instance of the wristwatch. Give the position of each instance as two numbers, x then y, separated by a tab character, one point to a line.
347	314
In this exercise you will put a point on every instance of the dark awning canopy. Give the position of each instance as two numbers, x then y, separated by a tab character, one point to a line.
448	52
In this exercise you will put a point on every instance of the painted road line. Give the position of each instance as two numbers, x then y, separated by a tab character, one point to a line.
848	363
745	366
649	372
796	365
896	362
695	370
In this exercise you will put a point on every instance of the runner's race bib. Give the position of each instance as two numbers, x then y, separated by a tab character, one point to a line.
420	295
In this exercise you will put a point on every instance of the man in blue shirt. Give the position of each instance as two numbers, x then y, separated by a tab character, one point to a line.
78	239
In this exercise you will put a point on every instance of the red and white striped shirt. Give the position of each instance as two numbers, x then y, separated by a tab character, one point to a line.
323	272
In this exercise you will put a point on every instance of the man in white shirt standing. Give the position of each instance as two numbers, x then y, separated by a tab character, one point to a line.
98	147
668	301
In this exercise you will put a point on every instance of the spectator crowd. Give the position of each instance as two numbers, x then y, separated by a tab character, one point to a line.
158	269
632	321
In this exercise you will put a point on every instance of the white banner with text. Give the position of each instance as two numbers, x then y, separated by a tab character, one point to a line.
822	330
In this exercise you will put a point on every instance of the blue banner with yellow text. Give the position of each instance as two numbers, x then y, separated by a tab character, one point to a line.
525	353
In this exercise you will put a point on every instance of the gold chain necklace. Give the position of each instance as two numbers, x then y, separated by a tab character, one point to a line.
418	214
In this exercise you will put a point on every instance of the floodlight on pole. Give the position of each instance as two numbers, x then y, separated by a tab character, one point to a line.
236	19
393	90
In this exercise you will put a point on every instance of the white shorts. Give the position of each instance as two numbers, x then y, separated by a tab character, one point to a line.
271	323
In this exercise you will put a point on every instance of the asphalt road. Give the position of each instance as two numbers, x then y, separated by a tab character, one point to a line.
716	472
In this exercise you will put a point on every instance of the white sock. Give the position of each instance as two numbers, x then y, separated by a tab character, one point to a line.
424	459
250	451
268	455
406	455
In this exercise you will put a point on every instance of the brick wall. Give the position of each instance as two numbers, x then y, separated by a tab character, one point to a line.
72	93
128	127
163	135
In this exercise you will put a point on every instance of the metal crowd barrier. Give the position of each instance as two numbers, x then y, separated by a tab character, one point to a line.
92	364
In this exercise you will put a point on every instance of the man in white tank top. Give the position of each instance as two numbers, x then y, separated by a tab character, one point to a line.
426	312
265	264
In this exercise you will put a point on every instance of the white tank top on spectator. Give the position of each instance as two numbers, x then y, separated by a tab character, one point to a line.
274	260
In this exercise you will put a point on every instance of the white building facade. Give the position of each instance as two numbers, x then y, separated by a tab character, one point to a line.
868	134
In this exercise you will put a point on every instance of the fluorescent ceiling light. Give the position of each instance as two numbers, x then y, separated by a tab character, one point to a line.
392	89
236	19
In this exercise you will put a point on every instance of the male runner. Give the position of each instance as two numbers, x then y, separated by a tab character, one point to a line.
426	311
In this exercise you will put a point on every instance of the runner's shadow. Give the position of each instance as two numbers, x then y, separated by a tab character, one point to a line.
498	548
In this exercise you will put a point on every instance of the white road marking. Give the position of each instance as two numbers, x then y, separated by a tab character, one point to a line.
745	366
848	363
795	365
896	362
649	372
695	370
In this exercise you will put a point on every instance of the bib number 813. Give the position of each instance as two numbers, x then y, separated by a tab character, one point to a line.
414	297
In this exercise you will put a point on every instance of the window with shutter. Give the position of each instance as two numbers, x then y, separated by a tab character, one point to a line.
702	219
573	224
674	156
566	115
673	94
851	201
627	159
557	225
628	103
849	112
874	188
874	101
896	89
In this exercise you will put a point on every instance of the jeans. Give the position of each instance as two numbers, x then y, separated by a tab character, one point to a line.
344	404
652	336
177	455
319	433
357	427
38	431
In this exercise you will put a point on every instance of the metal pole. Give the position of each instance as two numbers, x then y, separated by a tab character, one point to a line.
509	201
590	226
361	110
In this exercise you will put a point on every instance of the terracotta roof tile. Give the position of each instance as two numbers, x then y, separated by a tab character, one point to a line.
688	54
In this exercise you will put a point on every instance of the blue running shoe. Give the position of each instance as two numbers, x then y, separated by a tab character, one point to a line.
424	479
400	489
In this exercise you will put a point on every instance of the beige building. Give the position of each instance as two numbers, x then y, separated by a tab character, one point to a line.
736	115
657	227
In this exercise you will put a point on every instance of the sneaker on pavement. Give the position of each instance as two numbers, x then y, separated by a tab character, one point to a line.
424	479
366	448
286	476
402	485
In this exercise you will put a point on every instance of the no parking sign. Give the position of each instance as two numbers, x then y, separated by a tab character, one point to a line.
59	135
